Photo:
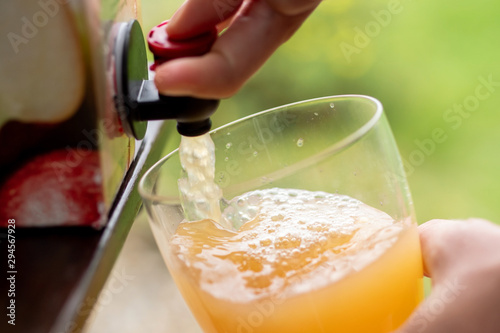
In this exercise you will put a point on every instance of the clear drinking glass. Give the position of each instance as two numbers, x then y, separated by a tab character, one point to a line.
313	274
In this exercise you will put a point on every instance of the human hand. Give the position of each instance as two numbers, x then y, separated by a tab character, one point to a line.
255	29
463	260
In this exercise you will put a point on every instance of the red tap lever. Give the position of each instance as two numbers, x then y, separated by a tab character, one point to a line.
165	48
138	99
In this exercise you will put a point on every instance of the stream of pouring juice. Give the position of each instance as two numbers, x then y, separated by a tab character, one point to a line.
300	262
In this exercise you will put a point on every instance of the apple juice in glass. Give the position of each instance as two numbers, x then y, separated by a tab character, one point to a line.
314	230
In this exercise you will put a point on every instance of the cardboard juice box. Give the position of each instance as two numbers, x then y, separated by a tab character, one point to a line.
63	152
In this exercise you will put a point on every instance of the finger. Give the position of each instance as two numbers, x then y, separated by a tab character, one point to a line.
458	304
463	259
434	314
434	244
441	312
197	16
454	246
253	36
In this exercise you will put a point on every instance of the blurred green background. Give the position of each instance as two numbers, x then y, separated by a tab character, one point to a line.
435	66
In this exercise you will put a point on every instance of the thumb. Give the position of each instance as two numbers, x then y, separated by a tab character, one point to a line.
463	260
440	312
455	247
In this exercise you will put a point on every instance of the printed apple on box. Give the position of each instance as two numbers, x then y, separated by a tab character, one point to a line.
50	173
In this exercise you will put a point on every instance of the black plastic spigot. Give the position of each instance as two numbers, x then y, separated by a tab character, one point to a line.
137	99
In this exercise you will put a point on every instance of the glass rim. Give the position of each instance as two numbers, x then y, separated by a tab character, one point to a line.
351	138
